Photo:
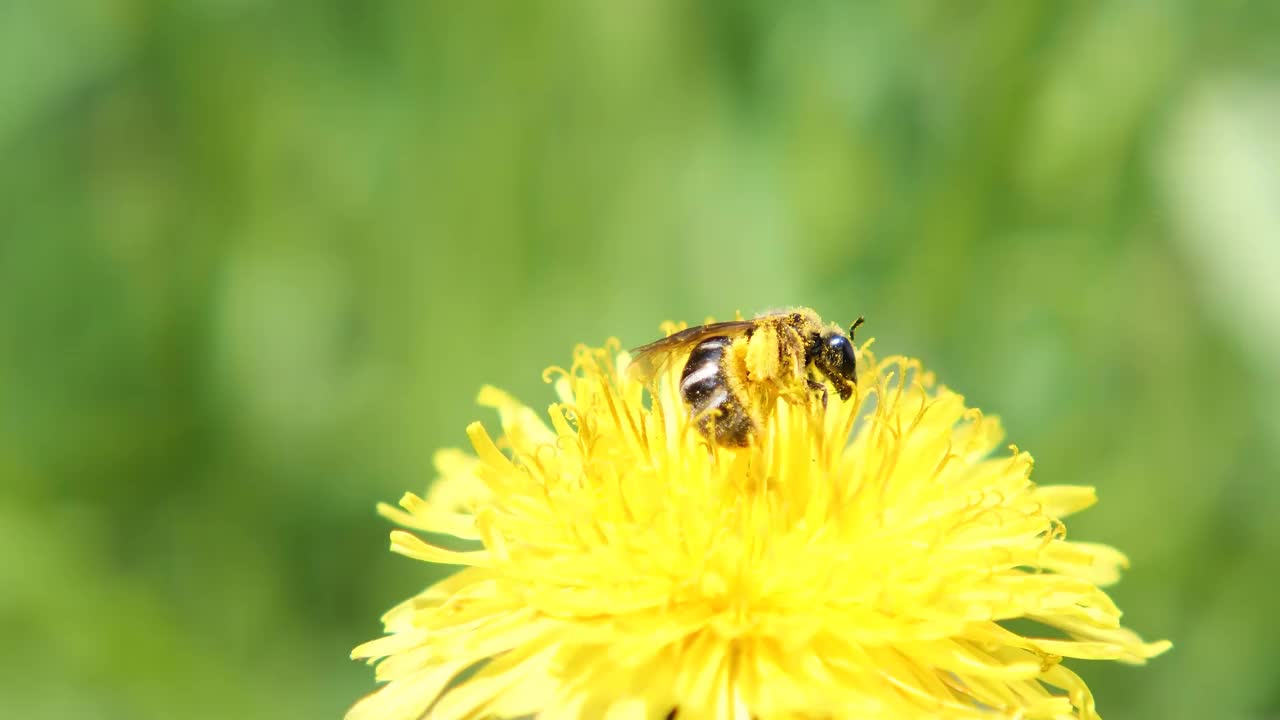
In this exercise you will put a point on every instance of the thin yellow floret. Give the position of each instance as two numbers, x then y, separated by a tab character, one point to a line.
852	562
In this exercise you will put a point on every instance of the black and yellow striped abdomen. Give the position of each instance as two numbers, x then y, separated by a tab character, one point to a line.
718	413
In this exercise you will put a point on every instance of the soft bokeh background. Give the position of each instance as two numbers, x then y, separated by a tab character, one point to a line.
257	257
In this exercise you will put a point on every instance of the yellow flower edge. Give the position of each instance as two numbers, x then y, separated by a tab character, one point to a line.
855	562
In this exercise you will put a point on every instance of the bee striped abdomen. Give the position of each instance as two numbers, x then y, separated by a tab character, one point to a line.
703	386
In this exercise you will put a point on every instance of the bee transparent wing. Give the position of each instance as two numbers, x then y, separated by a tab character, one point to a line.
649	360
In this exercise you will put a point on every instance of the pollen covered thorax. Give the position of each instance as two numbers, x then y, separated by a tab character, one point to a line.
856	559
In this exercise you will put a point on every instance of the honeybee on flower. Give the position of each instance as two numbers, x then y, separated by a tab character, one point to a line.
734	372
852	559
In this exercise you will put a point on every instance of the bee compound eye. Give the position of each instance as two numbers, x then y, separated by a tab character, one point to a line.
845	361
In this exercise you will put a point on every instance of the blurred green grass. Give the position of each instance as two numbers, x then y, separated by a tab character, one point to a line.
256	259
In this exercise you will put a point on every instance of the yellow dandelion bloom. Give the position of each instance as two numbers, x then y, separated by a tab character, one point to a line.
856	562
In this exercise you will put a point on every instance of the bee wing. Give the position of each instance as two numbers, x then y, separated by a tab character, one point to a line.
648	360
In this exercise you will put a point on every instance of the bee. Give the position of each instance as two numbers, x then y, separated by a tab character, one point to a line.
735	371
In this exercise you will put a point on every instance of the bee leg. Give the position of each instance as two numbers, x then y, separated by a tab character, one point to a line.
816	386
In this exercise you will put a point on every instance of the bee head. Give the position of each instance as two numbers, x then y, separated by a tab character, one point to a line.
835	357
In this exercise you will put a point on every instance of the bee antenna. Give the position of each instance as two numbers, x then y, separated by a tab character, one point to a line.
854	327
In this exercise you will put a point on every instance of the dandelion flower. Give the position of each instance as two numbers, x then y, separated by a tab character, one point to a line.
858	562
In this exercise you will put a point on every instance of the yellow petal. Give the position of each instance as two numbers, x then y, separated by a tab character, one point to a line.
410	545
422	515
408	697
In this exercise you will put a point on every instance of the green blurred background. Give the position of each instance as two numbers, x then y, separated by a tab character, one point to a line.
257	257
